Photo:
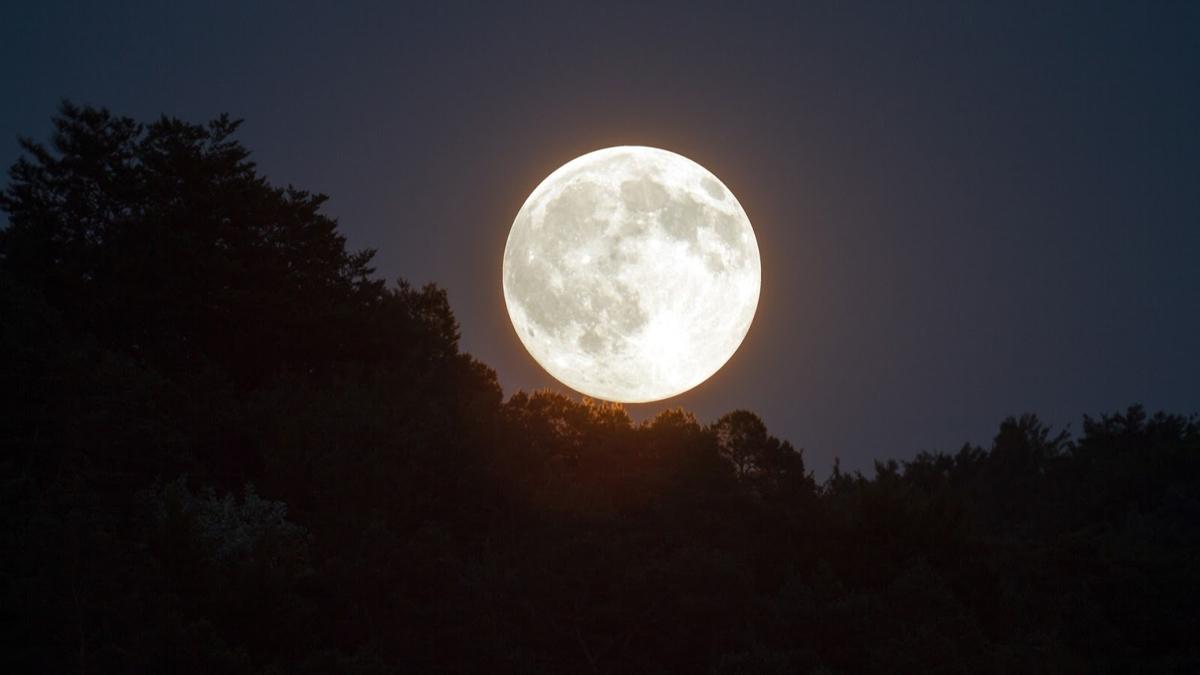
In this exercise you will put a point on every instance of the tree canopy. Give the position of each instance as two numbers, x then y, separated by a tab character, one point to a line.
227	447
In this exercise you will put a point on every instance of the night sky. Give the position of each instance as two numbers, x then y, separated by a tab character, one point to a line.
964	212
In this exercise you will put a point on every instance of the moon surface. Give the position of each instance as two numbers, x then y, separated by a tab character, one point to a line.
631	274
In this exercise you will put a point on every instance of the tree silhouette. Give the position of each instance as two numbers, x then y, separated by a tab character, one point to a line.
226	447
162	241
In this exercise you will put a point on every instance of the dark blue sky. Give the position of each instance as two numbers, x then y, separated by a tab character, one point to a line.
965	211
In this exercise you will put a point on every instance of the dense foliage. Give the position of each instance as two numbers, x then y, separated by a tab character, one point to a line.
227	448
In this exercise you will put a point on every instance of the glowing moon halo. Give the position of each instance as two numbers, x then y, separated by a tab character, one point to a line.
631	274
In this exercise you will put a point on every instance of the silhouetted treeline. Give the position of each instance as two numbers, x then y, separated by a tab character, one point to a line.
227	448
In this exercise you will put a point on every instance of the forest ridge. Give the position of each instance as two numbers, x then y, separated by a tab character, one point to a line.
228	447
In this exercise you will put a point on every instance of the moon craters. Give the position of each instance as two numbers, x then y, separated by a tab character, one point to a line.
713	187
643	194
631	274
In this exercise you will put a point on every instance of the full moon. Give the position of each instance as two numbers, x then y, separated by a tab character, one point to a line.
631	274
